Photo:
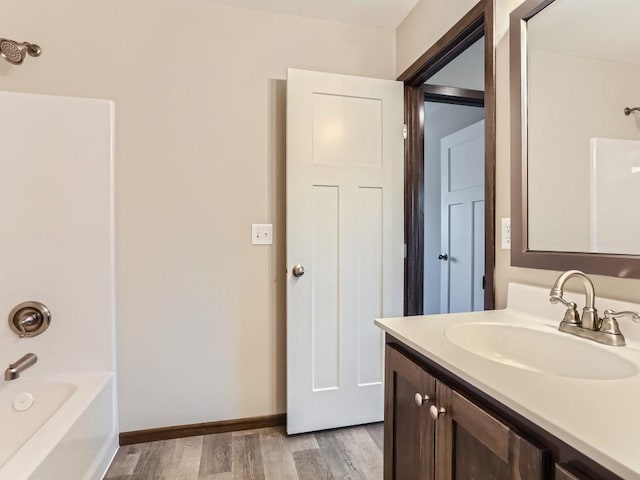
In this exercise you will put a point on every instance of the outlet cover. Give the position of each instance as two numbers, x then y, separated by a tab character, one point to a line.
261	234
506	234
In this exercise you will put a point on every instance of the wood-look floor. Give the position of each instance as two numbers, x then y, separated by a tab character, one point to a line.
264	454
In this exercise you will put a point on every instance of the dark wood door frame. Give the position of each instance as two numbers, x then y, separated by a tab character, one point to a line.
453	96
478	22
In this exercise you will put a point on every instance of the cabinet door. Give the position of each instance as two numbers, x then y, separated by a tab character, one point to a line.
408	430
473	445
564	474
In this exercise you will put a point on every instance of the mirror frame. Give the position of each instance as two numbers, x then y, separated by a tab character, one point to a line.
521	256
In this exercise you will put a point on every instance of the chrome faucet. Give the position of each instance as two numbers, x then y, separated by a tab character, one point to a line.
589	312
22	364
602	330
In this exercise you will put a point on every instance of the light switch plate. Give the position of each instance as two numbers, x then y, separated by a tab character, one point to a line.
506	234
261	234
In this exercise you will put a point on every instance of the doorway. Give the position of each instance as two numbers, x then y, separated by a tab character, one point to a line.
475	29
454	206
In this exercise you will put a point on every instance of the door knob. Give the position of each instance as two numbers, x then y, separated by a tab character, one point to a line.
420	399
443	256
297	270
436	412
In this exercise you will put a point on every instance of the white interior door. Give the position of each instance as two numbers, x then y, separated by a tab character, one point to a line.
462	227
345	227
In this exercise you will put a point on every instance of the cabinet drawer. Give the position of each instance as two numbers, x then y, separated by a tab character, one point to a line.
563	474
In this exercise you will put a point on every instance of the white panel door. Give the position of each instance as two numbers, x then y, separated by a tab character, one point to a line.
345	227
462	268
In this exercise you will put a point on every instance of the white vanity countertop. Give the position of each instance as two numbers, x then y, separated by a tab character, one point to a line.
600	418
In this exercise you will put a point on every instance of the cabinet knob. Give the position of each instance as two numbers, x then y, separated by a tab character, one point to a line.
420	399
436	412
297	270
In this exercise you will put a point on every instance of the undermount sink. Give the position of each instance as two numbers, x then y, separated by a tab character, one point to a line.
551	352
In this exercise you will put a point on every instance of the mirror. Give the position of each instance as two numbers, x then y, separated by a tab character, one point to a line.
575	95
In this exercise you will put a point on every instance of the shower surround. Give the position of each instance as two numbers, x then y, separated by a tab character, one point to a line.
57	247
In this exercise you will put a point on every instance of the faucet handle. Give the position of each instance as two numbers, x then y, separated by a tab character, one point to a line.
627	313
555	298
571	315
610	328
26	321
609	324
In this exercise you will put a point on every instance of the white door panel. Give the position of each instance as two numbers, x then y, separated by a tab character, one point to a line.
345	226
462	156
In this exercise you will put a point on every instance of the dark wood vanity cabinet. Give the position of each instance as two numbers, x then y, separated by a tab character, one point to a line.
439	427
432	432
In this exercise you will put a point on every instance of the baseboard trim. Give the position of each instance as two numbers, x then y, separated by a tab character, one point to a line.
208	428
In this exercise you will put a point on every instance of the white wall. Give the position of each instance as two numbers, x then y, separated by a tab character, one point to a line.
440	120
200	136
559	158
415	35
56	238
425	24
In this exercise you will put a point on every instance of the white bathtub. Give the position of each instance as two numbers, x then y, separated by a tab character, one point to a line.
69	433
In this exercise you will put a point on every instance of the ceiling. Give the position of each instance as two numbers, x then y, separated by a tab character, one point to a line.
376	13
